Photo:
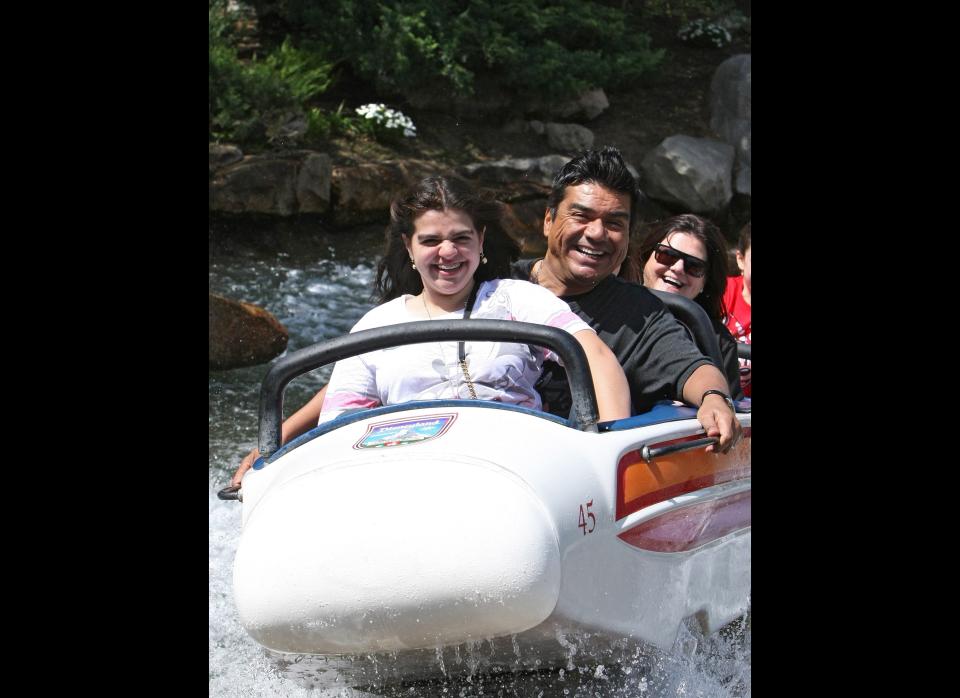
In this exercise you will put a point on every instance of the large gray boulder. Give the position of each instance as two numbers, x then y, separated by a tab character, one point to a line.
695	173
314	183
730	112
363	193
587	107
287	128
278	184
741	179
539	170
255	185
223	154
570	138
242	334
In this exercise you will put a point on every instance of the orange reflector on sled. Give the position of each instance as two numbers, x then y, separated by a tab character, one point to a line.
640	484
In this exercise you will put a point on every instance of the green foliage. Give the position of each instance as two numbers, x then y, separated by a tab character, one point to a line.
705	22
688	10
322	125
241	92
304	73
530	47
405	49
221	23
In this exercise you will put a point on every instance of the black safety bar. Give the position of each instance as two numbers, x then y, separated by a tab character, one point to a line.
583	415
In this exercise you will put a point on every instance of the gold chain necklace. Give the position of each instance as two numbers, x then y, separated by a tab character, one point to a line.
463	358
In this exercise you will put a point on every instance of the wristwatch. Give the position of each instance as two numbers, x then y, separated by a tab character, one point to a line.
721	394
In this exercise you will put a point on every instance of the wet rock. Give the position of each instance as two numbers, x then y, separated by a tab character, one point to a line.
256	185
242	334
362	193
314	183
280	184
539	170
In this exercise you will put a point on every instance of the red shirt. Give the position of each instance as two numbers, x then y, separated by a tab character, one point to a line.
737	320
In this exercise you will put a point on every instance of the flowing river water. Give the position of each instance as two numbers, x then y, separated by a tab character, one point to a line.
318	284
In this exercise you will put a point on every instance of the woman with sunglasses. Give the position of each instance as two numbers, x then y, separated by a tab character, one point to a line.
686	254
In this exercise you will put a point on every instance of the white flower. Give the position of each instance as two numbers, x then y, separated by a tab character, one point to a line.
714	33
390	119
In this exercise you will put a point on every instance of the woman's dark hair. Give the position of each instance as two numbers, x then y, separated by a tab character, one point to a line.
395	276
743	243
715	280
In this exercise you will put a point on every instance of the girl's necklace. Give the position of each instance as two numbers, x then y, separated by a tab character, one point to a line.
463	358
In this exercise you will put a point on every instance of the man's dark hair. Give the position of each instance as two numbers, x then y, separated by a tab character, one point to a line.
604	167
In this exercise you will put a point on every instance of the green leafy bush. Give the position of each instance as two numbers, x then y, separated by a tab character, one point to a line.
542	48
688	10
304	72
242	92
323	124
238	91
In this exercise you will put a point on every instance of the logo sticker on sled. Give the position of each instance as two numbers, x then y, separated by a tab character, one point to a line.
405	431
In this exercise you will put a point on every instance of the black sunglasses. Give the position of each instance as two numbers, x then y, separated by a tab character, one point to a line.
668	256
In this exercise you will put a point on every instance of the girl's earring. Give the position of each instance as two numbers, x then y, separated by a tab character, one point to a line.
483	259
412	263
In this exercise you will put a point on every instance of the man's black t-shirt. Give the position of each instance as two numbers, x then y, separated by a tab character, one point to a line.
655	350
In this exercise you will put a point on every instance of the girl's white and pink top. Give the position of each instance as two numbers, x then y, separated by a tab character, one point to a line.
501	371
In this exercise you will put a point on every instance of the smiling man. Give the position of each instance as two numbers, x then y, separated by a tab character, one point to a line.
587	225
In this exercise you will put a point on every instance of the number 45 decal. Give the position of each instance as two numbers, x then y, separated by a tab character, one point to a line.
583	519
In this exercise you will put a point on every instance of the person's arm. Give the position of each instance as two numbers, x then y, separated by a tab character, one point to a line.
300	422
609	382
713	412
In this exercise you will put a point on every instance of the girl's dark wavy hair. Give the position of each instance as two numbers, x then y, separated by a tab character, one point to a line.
711	300
395	276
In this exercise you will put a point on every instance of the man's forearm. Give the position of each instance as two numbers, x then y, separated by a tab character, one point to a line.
704	378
